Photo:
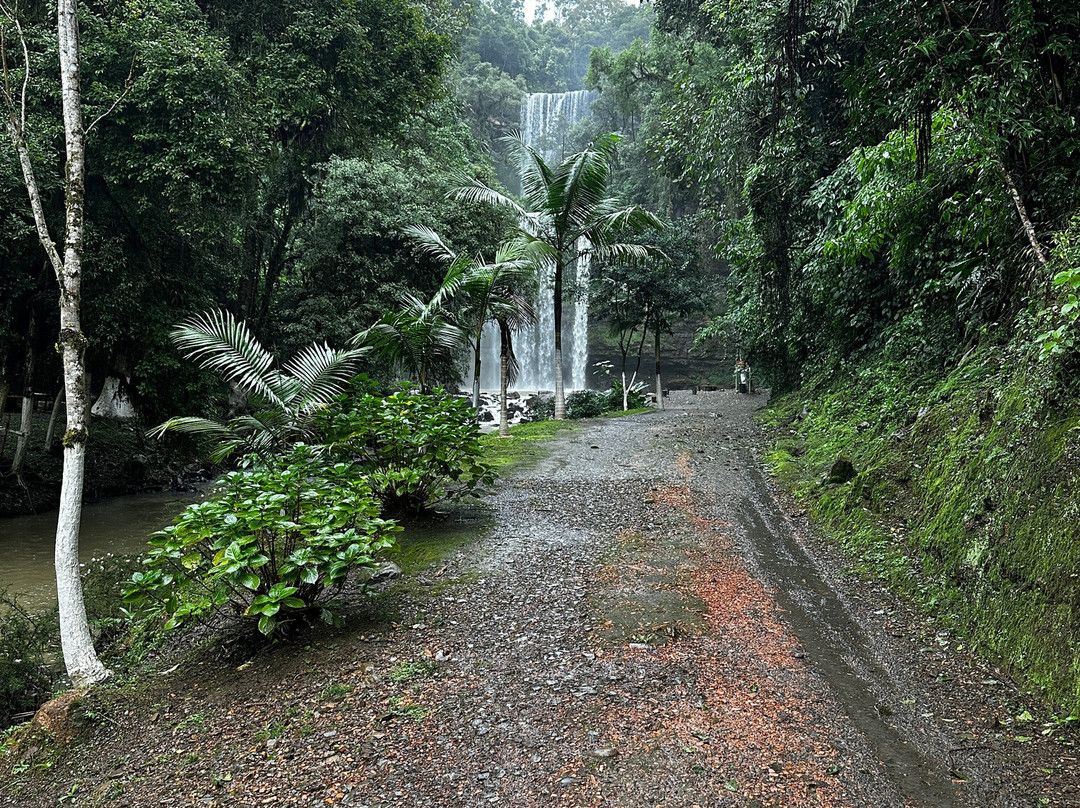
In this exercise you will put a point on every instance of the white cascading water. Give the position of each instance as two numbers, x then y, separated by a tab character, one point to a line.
546	119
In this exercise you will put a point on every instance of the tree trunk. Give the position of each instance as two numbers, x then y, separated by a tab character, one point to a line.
504	378
659	387
82	663
560	393
1025	221
54	416
83	666
476	376
26	421
625	394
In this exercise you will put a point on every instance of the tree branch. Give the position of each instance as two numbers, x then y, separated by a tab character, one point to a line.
129	83
16	127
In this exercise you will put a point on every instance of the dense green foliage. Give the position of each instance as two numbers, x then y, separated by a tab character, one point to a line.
203	182
26	676
273	541
965	499
593	403
870	168
414	449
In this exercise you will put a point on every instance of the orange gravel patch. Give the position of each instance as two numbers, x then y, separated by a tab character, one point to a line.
757	726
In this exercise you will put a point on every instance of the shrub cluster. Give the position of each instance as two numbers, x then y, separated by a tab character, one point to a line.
26	677
272	541
591	403
414	449
30	667
278	538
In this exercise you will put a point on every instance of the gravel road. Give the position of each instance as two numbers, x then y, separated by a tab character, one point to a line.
643	623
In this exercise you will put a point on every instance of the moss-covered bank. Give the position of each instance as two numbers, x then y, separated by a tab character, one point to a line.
965	499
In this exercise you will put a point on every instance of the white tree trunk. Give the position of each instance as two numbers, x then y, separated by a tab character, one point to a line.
113	401
83	666
659	387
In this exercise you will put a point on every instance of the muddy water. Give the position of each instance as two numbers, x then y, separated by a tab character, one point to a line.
838	649
120	526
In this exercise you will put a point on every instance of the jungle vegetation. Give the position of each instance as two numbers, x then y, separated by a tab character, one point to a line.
880	201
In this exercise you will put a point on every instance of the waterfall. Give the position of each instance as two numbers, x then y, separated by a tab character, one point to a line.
546	120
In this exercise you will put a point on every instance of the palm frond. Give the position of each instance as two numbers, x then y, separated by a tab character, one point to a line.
620	251
632	219
535	174
580	188
217	341
324	373
429	242
478	193
540	249
457	277
190	426
606	143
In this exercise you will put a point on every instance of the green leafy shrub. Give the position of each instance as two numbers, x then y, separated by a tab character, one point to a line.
26	640
635	396
587	404
414	449
272	541
593	403
541	409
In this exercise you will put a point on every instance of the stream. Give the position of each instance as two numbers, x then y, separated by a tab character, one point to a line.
119	525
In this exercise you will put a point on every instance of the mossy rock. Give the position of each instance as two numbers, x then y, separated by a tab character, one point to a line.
842	471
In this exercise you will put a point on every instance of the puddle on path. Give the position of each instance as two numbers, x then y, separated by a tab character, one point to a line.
642	601
836	646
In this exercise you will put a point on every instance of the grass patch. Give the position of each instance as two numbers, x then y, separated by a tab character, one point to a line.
421	546
622	413
525	444
409	670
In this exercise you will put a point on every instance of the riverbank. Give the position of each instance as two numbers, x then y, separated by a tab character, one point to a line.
637	622
120	460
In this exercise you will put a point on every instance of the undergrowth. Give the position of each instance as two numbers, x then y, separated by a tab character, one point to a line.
525	444
965	499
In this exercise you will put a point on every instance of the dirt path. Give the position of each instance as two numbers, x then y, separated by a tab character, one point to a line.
642	626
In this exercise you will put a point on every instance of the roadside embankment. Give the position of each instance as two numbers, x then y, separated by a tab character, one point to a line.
960	491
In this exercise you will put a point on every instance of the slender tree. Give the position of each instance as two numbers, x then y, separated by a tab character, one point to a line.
80	659
494	292
566	215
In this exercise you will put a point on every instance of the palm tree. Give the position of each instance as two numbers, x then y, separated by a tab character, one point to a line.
565	215
494	292
282	400
420	336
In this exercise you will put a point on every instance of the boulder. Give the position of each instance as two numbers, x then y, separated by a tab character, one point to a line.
842	471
